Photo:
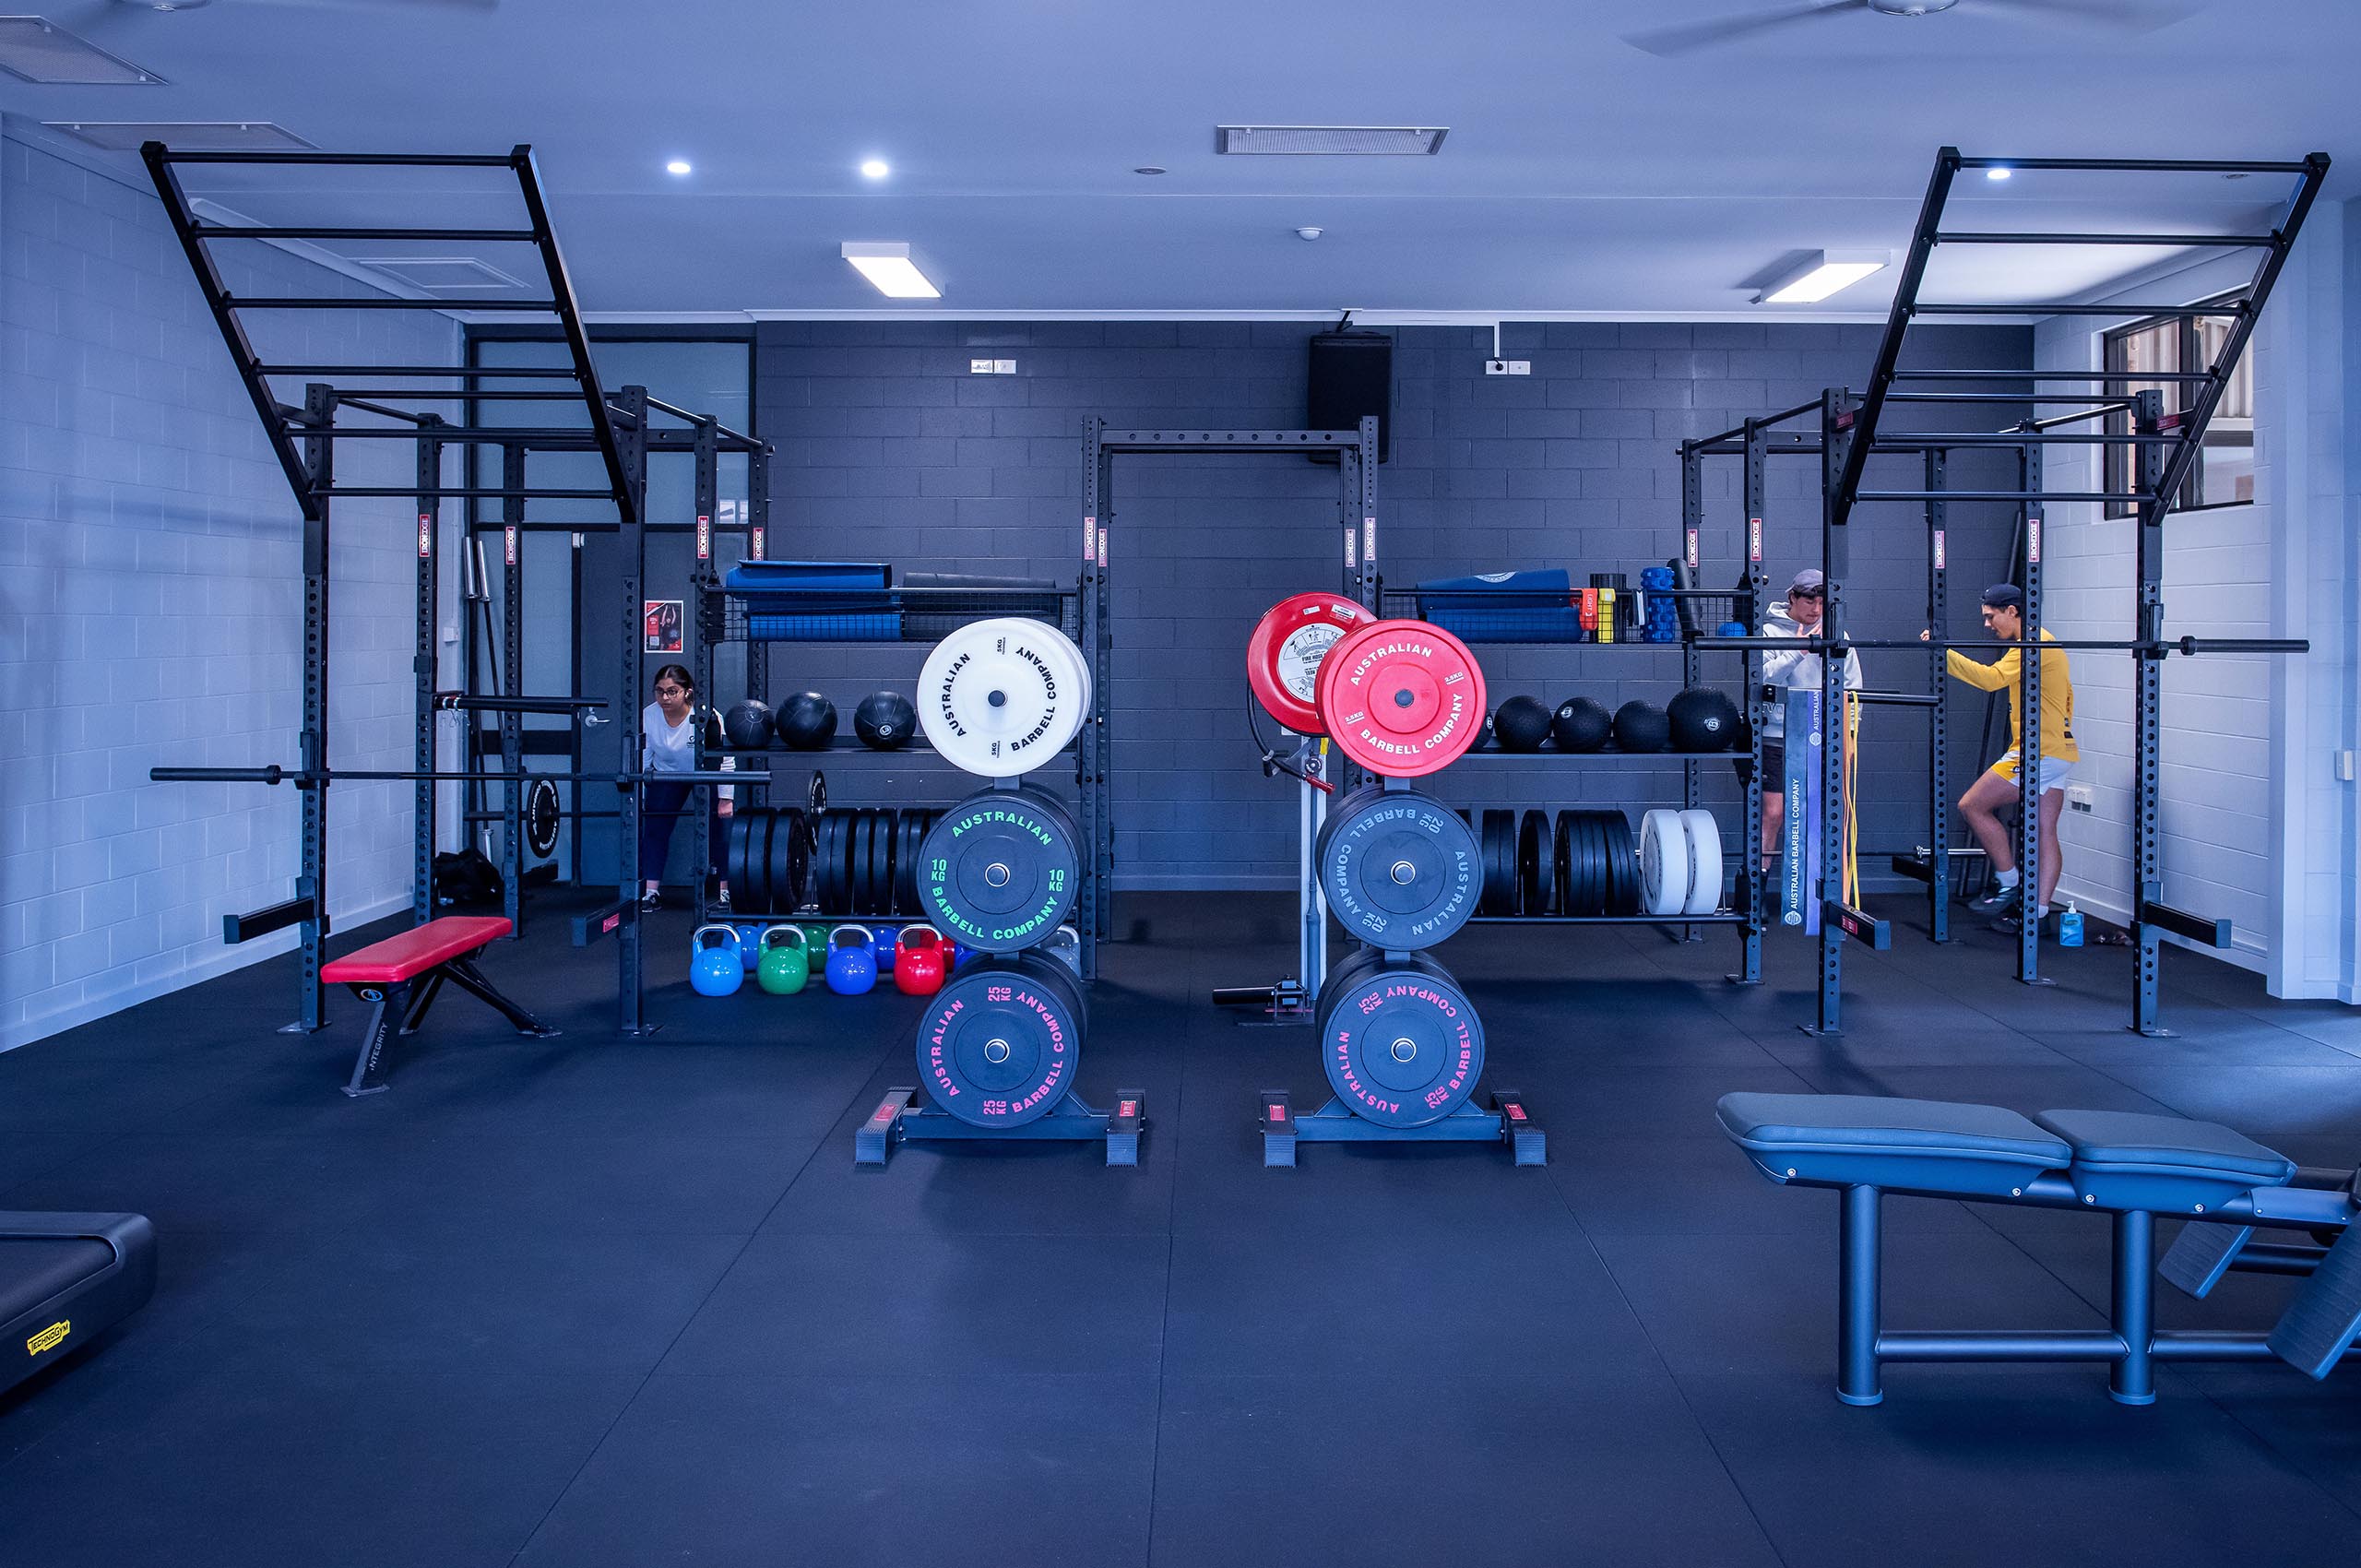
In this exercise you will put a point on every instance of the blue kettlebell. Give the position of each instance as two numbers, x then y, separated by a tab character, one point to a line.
852	964
750	942
889	947
715	967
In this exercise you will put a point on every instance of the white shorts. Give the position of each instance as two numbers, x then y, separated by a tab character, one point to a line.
2055	770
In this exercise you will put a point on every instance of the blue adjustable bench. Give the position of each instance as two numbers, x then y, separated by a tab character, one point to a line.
2129	1166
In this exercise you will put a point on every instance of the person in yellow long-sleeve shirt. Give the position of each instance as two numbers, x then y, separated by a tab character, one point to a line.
1995	789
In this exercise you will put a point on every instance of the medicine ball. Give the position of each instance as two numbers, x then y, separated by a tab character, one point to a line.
808	721
1702	720
1581	725
1641	727
1732	629
885	720
748	726
1521	724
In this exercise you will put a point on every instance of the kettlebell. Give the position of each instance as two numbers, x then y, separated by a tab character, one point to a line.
888	941
816	938
750	942
852	966
786	963
920	969
1065	945
715	966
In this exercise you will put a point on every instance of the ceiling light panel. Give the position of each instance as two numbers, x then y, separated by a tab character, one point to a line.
1824	273
1330	141
887	264
38	50
212	135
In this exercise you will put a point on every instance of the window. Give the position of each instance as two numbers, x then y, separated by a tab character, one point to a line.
2223	474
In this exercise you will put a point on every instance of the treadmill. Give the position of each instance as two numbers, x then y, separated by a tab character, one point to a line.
65	1279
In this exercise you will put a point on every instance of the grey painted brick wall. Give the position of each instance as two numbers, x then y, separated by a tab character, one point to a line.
149	560
889	449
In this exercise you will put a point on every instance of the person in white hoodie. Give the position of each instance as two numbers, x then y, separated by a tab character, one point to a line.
1799	615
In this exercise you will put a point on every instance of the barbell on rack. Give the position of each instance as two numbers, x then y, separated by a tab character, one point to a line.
312	777
2187	648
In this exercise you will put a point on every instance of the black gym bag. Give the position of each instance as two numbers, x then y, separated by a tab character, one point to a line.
467	880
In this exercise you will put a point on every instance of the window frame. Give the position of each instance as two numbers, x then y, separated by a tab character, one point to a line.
2117	473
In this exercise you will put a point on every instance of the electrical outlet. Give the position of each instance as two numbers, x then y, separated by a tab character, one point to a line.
2082	798
1508	367
992	367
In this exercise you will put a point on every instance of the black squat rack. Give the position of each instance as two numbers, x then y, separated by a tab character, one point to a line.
2160	449
1356	519
304	438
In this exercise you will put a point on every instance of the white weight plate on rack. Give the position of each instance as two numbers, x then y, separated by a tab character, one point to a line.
999	698
1704	837
1664	863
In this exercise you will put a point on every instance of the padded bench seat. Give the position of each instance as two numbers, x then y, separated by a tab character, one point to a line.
415	951
1850	1140
2128	1160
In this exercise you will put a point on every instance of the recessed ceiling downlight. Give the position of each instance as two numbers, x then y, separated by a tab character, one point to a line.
37	49
875	167
678	167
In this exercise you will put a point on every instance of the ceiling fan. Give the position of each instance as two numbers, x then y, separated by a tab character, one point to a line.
2128	16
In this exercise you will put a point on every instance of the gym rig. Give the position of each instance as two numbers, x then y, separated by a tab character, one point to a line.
2159	449
622	428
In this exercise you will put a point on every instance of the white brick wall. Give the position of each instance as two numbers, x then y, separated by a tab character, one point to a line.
152	591
2242	763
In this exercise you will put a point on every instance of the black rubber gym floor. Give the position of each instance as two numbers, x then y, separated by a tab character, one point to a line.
589	1301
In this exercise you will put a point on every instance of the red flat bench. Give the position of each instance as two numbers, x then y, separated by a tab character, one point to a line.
401	975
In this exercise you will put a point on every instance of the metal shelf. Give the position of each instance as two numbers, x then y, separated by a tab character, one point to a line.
1608	920
1495	753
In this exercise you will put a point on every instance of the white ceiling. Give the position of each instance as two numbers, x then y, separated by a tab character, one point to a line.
1581	175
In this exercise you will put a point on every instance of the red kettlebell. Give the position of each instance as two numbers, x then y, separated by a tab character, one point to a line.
918	967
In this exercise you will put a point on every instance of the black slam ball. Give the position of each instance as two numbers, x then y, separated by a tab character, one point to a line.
884	720
1641	727
1581	725
1522	724
808	721
1702	720
747	726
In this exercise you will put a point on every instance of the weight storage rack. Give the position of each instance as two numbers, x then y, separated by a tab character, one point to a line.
305	439
2121	411
918	616
1504	618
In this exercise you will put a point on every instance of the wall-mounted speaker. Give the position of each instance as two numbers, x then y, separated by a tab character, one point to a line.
1351	375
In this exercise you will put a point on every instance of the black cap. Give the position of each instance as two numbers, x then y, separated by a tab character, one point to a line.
2004	596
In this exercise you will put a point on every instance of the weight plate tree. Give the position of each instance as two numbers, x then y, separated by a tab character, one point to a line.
1401	1043
999	1042
999	872
1284	655
1401	699
999	698
1397	868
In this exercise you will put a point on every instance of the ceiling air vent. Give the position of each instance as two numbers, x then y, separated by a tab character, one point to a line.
436	274
39	51
211	136
1331	141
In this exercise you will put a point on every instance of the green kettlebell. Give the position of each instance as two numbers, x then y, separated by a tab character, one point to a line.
786	963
